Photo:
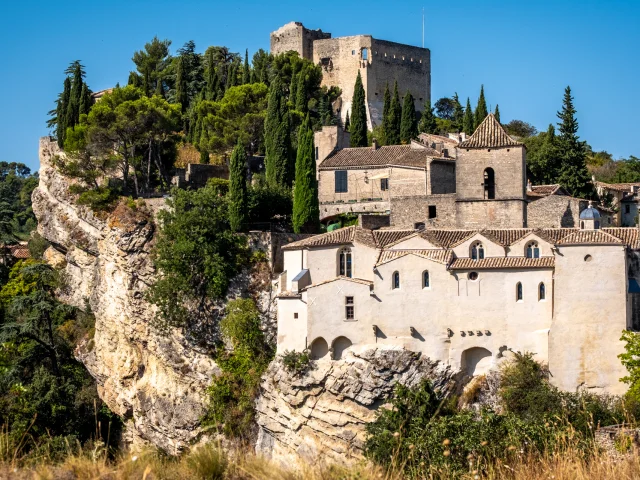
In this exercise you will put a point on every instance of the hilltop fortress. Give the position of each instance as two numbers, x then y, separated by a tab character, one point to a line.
379	62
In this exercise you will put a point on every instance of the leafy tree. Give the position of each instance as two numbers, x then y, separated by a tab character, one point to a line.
428	120
445	108
630	359
196	253
358	127
481	109
276	137
392	132
306	210
409	122
458	115
261	64
574	176
497	113
468	127
542	157
520	129
238	188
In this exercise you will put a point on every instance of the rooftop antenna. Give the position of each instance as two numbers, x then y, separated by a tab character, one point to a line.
422	27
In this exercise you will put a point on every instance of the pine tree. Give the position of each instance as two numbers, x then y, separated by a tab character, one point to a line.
467	126
301	94
458	115
358	127
134	79
497	113
428	121
276	137
347	124
238	188
481	109
574	176
392	132
409	122
146	85
386	119
246	71
306	210
159	88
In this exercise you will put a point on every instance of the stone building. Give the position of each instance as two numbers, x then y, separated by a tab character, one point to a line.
379	62
466	297
623	197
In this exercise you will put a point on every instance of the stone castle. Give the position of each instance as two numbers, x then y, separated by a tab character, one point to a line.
379	62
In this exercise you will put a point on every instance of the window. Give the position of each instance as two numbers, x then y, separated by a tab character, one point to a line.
353	52
365	54
349	311
473	276
425	279
542	292
341	181
396	280
532	250
588	258
344	260
384	184
317	153
295	315
432	211
627	209
518	292
419	226
477	251
489	184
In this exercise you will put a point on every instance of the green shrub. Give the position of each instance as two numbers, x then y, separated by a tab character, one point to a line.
37	245
101	199
296	362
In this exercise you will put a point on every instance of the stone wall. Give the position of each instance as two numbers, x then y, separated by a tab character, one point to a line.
373	222
442	175
561	211
407	211
329	210
330	138
491	214
294	36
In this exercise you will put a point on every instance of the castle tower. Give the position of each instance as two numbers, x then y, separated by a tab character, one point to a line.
491	179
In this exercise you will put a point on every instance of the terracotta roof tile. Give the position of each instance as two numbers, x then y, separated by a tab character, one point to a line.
629	236
545	190
590	237
506	236
489	134
387	237
437	255
361	281
619	187
501	262
451	238
337	237
20	252
402	155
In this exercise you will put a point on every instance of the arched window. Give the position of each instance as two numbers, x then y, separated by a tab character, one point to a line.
533	251
542	292
425	279
518	292
396	280
489	184
345	266
477	251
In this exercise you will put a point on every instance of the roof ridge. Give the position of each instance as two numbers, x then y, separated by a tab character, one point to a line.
490	133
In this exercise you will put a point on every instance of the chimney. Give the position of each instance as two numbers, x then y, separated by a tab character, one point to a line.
374	144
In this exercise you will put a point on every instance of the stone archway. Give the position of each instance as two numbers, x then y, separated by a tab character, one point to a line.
319	348
340	344
476	361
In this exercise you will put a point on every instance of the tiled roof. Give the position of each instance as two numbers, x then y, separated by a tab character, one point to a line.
545	190
437	255
428	138
451	238
402	155
489	134
20	252
387	237
629	236
337	237
589	236
619	187
501	262
361	281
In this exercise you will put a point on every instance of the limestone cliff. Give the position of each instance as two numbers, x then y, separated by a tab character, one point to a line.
321	414
156	382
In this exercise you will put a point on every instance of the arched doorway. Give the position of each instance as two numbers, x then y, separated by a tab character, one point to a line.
340	344
319	348
476	361
489	184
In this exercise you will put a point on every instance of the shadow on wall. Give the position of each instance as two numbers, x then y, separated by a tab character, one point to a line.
476	361
567	220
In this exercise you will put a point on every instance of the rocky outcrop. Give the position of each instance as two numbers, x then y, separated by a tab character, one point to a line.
321	414
157	382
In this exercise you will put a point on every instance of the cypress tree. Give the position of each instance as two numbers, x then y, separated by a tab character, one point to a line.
246	71
467	126
238	188
301	94
134	79
497	113
276	137
392	133
73	108
574	175
204	156
264	78
409	122
458	114
347	123
386	106
146	85
61	111
181	85
306	210
428	121
358	126
159	88
293	89
481	110
85	100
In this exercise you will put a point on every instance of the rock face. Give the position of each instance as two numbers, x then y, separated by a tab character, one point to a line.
156	382
321	414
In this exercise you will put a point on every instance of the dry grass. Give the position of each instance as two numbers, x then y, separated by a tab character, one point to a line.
209	462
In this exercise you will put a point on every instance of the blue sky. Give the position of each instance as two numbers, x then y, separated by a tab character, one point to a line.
524	53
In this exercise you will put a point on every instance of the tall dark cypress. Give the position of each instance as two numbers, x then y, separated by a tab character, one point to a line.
238	189
61	112
497	113
574	176
85	100
347	123
293	88
358	127
246	71
146	84
409	122
469	121
276	137
392	133
306	210
181	85
73	108
428	122
159	87
301	94
481	109
386	106
458	114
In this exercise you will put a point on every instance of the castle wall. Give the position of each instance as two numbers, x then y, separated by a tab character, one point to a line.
407	211
294	36
590	303
491	213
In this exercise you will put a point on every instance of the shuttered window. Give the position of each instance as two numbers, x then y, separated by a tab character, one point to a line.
341	181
